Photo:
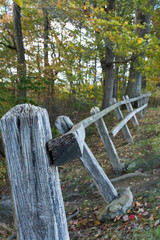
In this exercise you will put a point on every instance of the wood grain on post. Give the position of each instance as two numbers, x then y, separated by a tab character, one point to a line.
108	144
68	146
146	99
104	185
35	183
125	128
130	109
140	104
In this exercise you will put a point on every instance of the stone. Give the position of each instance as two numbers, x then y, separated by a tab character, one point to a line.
131	166
6	213
118	206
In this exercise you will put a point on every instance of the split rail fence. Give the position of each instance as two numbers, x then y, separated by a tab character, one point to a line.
33	156
72	144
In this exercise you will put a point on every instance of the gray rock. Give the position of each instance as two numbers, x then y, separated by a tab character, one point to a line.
118	206
6	209
131	166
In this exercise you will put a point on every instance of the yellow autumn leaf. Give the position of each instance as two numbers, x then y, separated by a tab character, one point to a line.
85	7
97	223
139	40
102	9
96	9
19	3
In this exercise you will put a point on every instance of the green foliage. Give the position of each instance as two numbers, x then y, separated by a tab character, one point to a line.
3	172
154	100
76	45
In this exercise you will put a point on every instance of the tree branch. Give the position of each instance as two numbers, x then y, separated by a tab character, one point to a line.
8	45
128	60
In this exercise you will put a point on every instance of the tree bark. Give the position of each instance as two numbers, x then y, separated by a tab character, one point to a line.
46	57
21	65
135	78
107	65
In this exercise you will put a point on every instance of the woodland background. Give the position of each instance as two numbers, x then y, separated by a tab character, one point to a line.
70	55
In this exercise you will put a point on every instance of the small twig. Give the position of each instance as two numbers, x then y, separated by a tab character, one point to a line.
12	236
73	215
128	176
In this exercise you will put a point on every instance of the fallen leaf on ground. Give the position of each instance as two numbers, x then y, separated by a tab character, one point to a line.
97	223
125	218
131	217
156	223
145	213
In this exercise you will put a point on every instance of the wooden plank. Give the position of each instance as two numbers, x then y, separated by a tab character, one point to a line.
35	184
108	144
118	127
140	103
125	128
130	109
67	147
146	101
100	179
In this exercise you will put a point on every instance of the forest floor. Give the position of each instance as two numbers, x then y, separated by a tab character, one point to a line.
83	200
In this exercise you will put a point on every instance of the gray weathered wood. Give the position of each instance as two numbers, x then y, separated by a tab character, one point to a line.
146	99
124	128
140	103
100	179
108	144
130	109
67	147
118	127
35	183
88	121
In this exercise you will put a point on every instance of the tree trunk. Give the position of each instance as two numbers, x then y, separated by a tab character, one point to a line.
107	66
109	76
46	58
135	79
115	87
21	65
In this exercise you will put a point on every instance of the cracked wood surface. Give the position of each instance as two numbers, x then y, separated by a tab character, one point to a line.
35	183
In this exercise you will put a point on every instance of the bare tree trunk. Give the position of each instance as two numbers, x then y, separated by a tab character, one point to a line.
46	56
115	87
21	65
109	76
107	66
135	80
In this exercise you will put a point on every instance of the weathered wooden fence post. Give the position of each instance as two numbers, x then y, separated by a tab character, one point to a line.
130	109
125	128
108	144
104	185
35	183
146	99
141	102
